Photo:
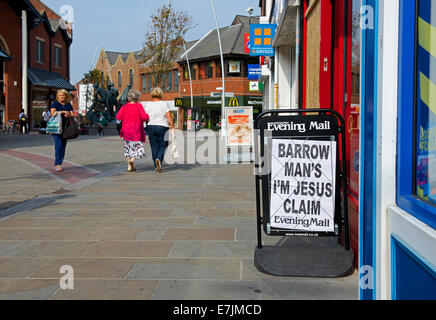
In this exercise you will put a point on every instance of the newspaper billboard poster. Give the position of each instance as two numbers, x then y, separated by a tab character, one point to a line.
303	184
239	126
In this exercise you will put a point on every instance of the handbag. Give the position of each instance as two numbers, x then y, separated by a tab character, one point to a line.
174	150
71	129
54	125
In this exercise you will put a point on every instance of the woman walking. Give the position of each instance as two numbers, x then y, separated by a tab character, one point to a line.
160	120
64	107
133	116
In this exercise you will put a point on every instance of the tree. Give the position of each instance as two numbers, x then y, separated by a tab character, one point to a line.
93	76
164	39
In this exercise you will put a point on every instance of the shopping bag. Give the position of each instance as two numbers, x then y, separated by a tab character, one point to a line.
174	150
71	129
54	125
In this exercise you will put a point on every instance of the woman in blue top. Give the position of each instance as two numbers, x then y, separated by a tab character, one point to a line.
62	105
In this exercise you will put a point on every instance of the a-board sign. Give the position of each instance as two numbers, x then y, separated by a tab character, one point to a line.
300	194
239	126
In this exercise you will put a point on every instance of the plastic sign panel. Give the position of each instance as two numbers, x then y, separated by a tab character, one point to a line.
239	126
303	182
247	42
254	72
261	38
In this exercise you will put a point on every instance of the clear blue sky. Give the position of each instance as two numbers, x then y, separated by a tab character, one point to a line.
120	25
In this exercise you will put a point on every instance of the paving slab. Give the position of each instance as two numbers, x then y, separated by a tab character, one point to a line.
163	269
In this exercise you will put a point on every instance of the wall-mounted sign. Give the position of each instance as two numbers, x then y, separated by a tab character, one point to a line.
253	86
247	42
261	37
254	72
234	66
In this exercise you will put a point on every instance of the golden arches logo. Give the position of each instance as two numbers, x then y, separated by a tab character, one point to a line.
179	103
234	102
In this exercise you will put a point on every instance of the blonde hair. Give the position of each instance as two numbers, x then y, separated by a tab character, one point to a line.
68	98
157	93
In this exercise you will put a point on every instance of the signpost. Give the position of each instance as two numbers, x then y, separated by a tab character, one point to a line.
301	192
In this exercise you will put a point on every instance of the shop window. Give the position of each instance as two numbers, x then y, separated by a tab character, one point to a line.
425	103
2	84
40	51
416	163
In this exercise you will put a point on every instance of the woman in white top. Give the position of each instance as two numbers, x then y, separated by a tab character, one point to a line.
160	120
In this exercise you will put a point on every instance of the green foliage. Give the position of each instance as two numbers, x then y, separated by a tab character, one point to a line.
164	40
93	76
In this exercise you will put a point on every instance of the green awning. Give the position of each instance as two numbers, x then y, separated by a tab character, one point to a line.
38	77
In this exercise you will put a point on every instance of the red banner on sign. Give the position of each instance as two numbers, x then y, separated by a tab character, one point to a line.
247	42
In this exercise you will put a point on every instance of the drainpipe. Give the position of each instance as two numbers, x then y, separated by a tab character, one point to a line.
24	86
297	60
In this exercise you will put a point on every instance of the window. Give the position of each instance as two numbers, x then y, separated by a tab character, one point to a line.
149	83
120	79
40	51
144	83
425	104
57	55
206	70
102	79
176	80
186	73
417	125
169	81
2	84
234	68
131	77
218	70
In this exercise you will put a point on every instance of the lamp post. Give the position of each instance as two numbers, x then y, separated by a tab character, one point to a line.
223	96
190	83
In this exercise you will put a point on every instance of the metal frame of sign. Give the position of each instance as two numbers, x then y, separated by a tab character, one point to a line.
335	131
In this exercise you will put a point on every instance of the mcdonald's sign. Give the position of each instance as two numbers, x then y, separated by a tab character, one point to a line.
234	102
178	102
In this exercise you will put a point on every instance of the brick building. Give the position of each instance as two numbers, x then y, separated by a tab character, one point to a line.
206	73
46	63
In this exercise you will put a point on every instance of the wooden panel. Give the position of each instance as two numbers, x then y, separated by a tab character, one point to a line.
313	55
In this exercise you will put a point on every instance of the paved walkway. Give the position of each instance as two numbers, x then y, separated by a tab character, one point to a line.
188	233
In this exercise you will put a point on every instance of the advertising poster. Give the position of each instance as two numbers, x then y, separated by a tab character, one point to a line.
239	126
234	66
303	182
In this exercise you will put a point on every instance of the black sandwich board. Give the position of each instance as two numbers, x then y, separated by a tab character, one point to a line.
301	193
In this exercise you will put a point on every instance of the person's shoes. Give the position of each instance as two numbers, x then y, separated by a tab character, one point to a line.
158	166
59	169
131	166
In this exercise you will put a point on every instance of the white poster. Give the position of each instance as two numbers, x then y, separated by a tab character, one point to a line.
303	182
86	96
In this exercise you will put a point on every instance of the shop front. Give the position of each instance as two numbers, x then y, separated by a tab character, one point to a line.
206	112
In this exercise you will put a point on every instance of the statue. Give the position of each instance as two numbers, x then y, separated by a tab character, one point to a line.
99	97
123	98
111	101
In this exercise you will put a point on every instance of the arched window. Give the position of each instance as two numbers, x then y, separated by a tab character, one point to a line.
119	79
131	76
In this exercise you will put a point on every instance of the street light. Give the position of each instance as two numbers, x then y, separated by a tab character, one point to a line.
190	82
223	96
